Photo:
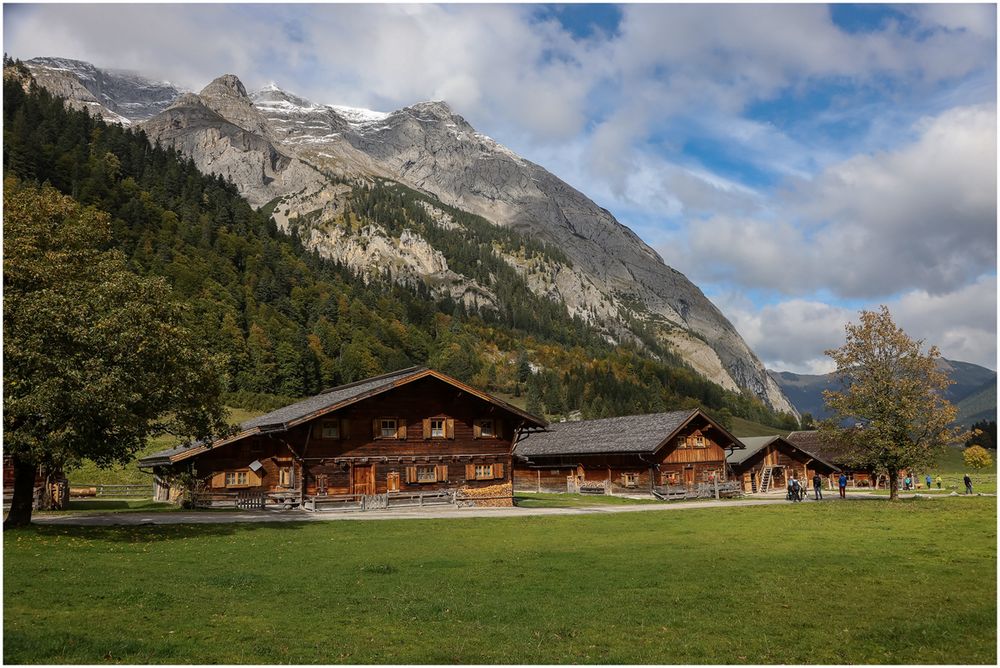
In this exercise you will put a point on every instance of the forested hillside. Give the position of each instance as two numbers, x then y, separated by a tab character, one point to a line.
292	323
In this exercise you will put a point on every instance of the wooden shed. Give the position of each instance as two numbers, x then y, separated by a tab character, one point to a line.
767	463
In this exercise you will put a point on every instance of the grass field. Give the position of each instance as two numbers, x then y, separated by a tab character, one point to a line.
535	500
857	582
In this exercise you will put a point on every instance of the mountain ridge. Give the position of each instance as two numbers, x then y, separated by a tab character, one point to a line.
298	157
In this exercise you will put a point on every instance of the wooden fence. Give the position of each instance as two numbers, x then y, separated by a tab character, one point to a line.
111	491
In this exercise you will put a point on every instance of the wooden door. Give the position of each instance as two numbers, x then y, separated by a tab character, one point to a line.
363	480
392	482
689	477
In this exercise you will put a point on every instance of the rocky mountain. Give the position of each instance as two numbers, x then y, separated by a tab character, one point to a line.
118	96
973	391
303	159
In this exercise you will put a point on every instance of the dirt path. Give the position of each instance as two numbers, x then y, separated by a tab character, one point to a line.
444	512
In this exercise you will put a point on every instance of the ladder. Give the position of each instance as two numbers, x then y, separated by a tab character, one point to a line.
765	480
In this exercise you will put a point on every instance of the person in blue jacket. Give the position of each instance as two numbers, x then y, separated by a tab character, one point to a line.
842	484
929	480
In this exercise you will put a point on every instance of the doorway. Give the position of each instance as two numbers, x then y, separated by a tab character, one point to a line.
363	479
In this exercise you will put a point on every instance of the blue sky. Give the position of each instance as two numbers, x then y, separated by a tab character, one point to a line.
798	162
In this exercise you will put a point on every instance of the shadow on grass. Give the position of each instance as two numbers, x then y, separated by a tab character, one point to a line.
151	533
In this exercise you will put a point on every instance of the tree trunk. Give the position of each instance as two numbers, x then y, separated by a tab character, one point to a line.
893	485
24	494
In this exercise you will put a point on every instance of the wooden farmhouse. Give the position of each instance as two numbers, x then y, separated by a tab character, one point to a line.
767	463
649	454
411	432
835	452
58	485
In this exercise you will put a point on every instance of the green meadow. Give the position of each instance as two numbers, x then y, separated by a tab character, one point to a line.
856	582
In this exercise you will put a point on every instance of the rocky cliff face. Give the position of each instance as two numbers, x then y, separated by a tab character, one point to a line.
114	95
274	144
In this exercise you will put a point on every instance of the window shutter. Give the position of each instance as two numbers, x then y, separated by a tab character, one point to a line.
449	428
219	479
427	428
498	427
411	474
477	429
470	471
401	430
345	429
253	478
498	470
376	428
442	473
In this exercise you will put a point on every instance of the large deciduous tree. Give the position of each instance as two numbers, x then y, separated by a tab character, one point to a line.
96	359
894	392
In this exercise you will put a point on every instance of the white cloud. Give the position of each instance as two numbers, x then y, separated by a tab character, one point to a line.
922	216
792	335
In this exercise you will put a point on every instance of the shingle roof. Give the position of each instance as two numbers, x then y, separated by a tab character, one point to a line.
628	434
823	448
301	411
752	445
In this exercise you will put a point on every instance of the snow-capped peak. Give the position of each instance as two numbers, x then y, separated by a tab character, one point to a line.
358	116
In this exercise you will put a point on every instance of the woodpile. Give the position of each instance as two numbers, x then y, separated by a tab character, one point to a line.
493	496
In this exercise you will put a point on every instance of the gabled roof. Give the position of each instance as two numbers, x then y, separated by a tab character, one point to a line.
754	444
824	448
632	434
331	400
751	446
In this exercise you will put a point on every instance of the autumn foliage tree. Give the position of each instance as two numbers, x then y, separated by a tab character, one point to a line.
96	358
894	392
977	457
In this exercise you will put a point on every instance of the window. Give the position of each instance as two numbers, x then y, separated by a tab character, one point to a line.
630	479
486	429
426	474
484	471
388	428
285	476
437	428
682	442
236	478
330	430
699	441
670	478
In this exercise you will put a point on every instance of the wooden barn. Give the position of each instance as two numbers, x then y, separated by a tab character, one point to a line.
409	432
767	463
830	450
53	481
636	454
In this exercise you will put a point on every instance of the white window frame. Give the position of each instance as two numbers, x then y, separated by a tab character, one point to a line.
484	472
388	432
483	433
426	474
233	478
438	432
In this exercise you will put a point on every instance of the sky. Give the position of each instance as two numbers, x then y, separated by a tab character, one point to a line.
799	163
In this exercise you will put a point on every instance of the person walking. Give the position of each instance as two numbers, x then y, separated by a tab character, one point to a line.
790	495
928	479
842	484
796	488
938	481
906	483
968	484
817	487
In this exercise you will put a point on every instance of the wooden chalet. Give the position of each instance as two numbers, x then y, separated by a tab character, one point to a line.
831	450
58	486
641	454
408	432
767	463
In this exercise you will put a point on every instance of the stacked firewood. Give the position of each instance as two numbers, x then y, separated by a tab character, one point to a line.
494	496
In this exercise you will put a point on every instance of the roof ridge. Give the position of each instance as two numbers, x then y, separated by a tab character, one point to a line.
622	417
391	374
